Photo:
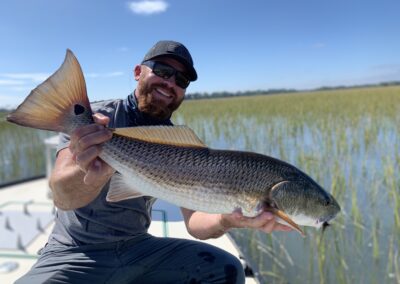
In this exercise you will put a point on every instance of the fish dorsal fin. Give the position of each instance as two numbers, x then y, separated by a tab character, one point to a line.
170	135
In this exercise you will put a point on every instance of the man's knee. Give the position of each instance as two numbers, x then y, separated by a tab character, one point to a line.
229	269
234	270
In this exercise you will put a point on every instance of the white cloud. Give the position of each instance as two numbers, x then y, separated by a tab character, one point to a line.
25	89
104	75
318	45
33	77
148	7
8	101
123	49
10	82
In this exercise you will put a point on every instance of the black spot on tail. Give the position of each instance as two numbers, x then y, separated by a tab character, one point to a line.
79	109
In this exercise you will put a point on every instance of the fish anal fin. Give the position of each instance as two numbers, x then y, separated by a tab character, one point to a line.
170	135
121	190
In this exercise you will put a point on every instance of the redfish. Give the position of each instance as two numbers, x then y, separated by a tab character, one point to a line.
173	164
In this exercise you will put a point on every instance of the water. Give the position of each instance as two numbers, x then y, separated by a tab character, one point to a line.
348	141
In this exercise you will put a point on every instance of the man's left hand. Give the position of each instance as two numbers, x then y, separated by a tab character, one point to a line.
264	222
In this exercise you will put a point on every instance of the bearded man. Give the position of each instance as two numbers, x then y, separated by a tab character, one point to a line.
95	241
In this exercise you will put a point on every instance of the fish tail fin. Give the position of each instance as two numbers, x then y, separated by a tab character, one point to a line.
60	103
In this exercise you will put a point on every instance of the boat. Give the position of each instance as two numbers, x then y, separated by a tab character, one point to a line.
27	218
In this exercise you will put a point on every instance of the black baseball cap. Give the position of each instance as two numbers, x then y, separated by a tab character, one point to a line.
175	50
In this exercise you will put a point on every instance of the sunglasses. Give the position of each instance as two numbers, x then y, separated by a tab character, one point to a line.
166	71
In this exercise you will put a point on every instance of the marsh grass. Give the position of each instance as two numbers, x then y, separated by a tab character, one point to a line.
348	141
21	152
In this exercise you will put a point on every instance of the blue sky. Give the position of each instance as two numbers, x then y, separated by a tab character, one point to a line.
236	45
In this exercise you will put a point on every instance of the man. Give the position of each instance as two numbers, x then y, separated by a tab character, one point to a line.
95	241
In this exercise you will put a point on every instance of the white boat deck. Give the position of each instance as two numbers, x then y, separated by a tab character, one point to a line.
26	220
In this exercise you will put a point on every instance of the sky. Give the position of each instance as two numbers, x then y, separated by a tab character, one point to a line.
236	45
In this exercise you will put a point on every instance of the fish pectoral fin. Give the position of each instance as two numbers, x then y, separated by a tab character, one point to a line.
121	190
170	135
284	219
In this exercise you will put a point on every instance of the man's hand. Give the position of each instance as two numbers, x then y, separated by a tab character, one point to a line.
79	175
204	225
85	147
264	222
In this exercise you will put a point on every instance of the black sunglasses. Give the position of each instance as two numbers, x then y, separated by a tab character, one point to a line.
166	71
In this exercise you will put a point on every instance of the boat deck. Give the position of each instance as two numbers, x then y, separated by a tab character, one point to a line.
26	220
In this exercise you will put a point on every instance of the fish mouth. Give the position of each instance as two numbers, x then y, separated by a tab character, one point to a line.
324	226
324	221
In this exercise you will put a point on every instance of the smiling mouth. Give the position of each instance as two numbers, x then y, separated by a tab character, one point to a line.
163	93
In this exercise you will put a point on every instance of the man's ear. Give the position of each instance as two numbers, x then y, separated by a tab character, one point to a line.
137	71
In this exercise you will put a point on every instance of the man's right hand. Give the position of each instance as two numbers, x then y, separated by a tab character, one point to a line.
79	174
85	147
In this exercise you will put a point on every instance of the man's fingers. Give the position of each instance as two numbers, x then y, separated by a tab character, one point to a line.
269	226
85	158
265	222
237	220
280	227
81	143
259	221
85	130
94	138
87	135
101	119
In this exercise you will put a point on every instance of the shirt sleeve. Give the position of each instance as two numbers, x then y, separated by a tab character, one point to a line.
63	141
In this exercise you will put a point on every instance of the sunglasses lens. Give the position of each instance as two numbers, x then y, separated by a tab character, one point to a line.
163	71
181	80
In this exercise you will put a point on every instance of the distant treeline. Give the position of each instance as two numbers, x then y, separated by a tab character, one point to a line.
197	96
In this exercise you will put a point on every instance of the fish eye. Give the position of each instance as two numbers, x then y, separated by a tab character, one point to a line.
327	202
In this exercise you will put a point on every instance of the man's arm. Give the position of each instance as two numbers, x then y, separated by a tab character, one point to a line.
79	175
205	226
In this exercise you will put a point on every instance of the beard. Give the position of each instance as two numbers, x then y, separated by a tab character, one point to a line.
153	106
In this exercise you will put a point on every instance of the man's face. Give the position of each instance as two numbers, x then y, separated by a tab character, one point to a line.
156	96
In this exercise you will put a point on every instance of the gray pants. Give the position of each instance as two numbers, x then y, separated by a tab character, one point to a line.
145	259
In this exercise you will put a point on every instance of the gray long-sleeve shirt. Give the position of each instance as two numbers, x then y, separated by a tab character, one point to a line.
101	221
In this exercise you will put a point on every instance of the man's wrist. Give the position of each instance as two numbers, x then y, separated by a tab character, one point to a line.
224	225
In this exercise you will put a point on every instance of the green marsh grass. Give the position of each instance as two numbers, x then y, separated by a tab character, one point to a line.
21	152
348	141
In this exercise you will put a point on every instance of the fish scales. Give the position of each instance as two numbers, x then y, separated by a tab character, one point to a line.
231	179
167	176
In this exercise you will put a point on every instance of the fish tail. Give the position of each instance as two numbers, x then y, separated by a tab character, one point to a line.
57	104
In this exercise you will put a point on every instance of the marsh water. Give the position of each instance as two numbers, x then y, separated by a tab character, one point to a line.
347	140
